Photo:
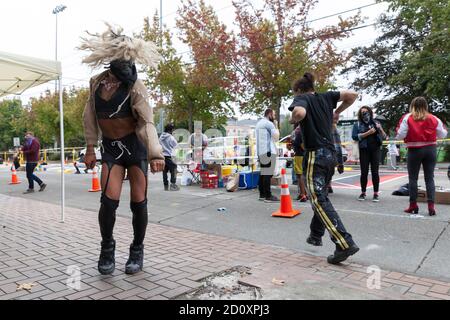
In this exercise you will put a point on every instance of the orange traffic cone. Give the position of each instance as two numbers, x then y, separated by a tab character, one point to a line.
14	179
286	210
95	182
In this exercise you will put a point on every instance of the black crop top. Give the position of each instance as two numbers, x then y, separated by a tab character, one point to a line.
118	107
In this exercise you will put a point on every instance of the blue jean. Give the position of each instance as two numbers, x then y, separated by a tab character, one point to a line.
30	175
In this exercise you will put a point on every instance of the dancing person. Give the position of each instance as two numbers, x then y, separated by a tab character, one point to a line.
118	112
369	134
420	130
314	111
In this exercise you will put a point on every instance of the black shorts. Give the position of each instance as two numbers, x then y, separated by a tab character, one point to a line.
125	152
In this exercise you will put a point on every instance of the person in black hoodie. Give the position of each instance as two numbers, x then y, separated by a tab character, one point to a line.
370	135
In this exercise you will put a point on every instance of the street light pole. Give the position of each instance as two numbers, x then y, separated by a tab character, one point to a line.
161	118
57	10
160	16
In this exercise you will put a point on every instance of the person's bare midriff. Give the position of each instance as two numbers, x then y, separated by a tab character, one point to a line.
117	128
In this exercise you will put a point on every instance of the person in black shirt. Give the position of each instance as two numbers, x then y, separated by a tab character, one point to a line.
315	113
369	134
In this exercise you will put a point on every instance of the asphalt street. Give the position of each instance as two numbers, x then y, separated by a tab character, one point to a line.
388	238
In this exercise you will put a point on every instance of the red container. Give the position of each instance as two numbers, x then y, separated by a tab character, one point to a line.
209	181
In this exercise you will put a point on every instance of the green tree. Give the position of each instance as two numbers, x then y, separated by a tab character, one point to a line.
44	117
285	128
409	59
12	122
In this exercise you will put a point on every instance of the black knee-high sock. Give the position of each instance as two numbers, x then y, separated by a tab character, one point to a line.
107	217
140	221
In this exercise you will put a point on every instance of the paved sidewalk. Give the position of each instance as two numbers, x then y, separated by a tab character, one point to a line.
36	248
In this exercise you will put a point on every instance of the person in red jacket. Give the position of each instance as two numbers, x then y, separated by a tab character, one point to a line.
420	130
31	151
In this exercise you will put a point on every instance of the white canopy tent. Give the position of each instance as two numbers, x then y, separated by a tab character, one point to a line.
19	73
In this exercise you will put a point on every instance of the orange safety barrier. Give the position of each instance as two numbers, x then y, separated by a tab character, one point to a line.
95	182
14	179
286	210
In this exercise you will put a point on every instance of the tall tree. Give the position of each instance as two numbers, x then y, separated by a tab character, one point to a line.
409	59
272	46
43	117
277	45
12	122
189	90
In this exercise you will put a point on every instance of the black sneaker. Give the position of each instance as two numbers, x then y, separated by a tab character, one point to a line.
314	242
271	199
174	187
342	255
166	188
42	188
362	197
376	198
28	191
107	263
135	262
261	198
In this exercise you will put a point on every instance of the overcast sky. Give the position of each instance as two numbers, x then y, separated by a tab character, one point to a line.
28	27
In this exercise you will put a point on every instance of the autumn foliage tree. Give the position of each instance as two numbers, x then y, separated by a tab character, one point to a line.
273	45
200	89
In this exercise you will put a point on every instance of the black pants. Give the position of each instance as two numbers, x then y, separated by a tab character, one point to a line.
370	157
267	164
172	168
319	165
425	156
31	176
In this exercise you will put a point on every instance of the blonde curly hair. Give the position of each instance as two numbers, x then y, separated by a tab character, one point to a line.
113	45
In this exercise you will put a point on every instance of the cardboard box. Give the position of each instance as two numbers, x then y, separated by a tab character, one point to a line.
442	195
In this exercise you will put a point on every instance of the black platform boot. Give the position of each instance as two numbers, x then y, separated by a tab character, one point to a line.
135	262
107	261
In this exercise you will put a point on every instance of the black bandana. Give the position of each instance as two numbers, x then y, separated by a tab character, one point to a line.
124	70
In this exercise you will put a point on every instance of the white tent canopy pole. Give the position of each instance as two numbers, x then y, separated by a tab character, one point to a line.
19	73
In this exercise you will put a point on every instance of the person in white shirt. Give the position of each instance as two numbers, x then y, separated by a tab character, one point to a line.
267	135
168	143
